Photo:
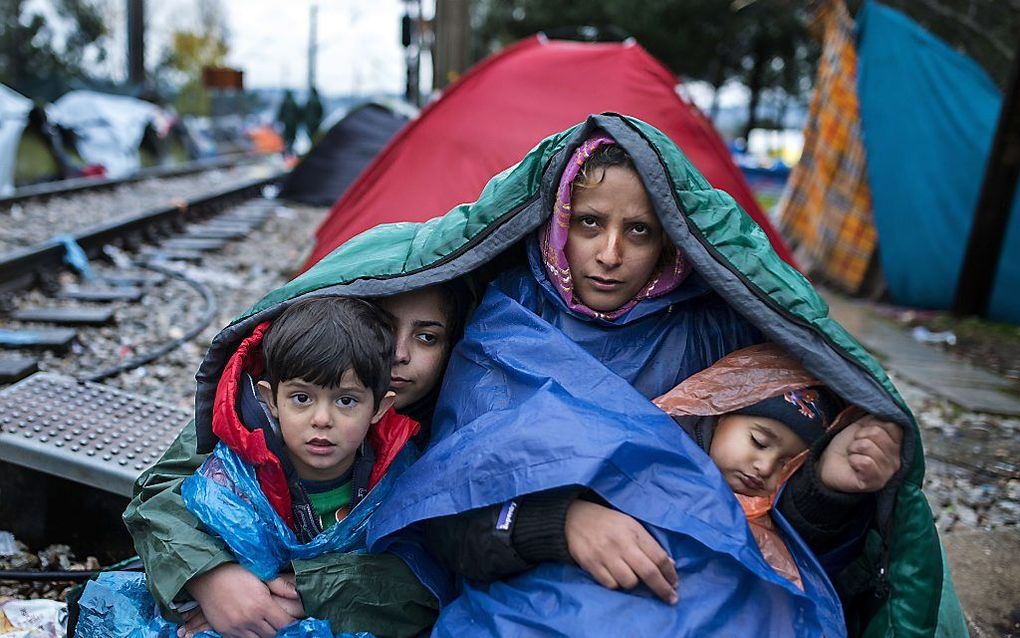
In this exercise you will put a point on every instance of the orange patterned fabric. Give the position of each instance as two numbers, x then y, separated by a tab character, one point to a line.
826	208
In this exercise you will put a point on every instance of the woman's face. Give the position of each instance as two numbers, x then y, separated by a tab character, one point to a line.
421	343
615	240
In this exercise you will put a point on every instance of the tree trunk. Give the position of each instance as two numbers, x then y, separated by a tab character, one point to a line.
754	83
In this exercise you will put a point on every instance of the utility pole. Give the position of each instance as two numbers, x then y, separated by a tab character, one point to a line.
411	38
313	44
991	216
452	33
136	42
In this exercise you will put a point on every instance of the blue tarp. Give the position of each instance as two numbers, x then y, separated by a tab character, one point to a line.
548	407
117	605
929	116
224	494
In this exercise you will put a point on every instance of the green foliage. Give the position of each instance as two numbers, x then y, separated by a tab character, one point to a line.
41	61
192	48
190	52
762	43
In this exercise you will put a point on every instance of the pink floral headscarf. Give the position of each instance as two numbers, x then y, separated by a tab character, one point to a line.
553	241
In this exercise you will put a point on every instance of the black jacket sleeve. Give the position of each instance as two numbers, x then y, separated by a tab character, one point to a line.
824	518
494	542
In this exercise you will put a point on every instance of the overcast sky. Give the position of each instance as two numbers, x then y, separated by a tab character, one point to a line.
359	40
359	43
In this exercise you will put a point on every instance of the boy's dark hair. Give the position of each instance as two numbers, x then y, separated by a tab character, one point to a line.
319	339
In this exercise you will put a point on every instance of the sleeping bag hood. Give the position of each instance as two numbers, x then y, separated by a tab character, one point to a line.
727	249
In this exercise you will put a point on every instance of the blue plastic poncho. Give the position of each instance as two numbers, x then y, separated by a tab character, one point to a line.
224	494
537	398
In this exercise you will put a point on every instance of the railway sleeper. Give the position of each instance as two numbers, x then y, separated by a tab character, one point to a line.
57	339
66	316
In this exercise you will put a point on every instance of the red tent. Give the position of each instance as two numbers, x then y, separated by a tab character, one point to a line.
504	106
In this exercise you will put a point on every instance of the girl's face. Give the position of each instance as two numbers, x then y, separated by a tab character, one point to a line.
751	452
421	343
615	240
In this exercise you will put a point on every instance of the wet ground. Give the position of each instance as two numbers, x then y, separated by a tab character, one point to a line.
972	451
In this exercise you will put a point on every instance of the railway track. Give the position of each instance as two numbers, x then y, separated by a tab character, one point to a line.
37	265
143	248
132	303
74	186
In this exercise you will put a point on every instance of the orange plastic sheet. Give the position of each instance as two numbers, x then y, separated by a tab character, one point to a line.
736	381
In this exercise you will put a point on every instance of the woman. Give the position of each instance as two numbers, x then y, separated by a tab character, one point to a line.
602	253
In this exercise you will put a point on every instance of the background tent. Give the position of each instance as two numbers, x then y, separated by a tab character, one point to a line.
30	150
14	109
109	129
927	116
505	105
344	151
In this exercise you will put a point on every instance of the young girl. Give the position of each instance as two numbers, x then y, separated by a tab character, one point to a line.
756	412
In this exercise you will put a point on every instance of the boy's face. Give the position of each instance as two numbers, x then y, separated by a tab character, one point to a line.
751	452
323	427
420	343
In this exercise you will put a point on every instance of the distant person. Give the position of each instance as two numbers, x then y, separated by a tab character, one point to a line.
313	114
289	116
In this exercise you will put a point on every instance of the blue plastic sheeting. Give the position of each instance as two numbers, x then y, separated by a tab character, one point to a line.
224	494
534	410
929	116
117	605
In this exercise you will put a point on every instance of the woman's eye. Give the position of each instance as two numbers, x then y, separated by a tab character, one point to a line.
587	221
757	443
346	401
640	229
427	339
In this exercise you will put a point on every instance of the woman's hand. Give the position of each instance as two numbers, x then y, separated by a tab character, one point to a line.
862	457
617	551
235	603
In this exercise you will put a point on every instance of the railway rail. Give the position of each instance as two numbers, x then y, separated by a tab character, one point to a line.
23	268
78	185
101	434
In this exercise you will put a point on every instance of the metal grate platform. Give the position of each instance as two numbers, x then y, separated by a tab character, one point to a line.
85	432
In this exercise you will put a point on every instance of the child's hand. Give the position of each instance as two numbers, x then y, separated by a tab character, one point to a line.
237	604
194	623
862	457
285	594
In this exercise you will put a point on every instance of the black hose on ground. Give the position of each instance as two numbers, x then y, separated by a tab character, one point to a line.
207	316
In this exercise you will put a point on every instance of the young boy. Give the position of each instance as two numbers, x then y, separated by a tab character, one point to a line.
302	413
325	384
